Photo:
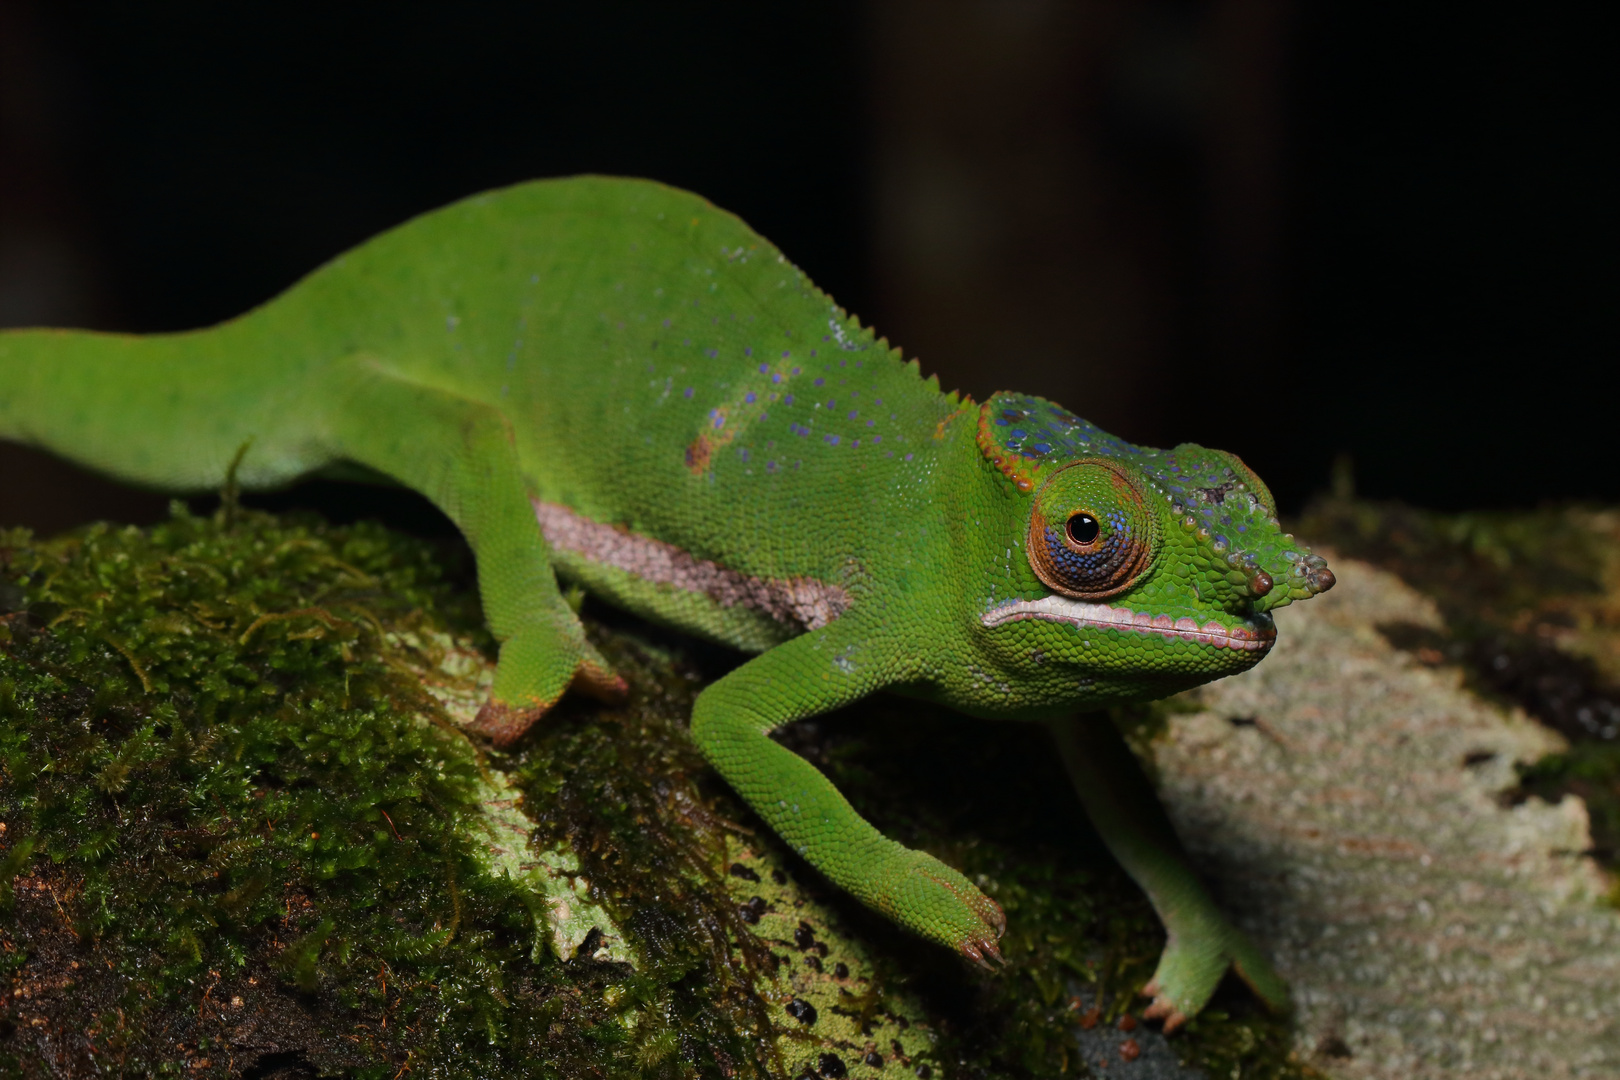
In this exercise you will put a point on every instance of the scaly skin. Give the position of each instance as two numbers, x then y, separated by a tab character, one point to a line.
616	382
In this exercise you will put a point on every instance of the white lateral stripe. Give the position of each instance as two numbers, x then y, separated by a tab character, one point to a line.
1248	637
799	601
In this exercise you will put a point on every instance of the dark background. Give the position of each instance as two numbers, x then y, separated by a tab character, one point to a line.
1297	231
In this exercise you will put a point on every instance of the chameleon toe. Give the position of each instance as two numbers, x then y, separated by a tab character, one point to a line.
601	684
1161	1008
504	724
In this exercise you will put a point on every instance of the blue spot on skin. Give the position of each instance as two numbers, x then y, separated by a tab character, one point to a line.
689	393
820	382
743	454
719	421
770	466
877	438
776	379
1001	423
750	399
747	351
763	368
1042	448
832	403
833	439
869	423
812	352
764	416
857	442
797	371
908	457
1019	433
786	354
711	353
788	400
852	413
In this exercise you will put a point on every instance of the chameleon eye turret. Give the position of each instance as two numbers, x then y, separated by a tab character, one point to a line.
1250	481
1091	535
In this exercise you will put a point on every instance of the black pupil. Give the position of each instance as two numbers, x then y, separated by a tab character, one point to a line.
1083	529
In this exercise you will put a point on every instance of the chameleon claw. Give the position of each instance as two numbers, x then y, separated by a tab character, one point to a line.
983	952
1162	1008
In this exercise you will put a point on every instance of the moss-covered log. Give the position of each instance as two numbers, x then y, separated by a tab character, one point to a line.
242	833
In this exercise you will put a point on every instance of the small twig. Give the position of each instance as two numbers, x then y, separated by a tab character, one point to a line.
332	622
230	494
455	902
123	650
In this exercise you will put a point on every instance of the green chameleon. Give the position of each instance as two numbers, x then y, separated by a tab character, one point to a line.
615	383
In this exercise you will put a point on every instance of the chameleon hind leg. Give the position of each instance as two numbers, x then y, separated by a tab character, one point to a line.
1202	943
461	455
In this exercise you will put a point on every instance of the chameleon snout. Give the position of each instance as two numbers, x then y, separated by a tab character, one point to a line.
1300	576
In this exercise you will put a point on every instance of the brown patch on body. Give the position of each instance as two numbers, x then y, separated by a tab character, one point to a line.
698	454
801	602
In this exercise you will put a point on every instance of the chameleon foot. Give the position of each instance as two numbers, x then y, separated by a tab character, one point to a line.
531	678
1188	974
920	892
504	724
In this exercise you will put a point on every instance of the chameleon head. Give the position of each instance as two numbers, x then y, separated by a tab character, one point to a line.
1144	571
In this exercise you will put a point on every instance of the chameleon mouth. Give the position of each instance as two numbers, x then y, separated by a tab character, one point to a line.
1258	634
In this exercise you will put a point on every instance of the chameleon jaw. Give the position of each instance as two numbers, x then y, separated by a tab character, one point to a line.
1257	634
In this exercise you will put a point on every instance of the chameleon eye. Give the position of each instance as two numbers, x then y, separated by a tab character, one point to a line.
1091	534
1083	529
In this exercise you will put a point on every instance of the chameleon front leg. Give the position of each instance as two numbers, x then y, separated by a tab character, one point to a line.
461	455
1122	805
808	675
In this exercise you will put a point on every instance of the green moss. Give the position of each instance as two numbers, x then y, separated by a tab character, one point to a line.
241	825
218	766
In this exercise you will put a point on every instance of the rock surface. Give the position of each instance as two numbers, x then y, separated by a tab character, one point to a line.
1348	800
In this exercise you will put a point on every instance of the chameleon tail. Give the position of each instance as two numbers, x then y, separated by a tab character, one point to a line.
168	411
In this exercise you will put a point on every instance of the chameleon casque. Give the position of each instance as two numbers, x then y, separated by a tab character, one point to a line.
614	382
